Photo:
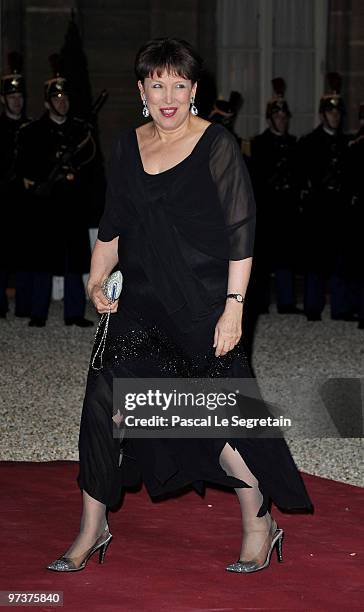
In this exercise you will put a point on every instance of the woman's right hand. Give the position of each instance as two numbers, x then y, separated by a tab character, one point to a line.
100	301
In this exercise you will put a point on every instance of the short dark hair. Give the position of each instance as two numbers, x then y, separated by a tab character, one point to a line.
175	55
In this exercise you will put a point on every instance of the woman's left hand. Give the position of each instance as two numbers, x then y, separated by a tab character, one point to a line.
228	328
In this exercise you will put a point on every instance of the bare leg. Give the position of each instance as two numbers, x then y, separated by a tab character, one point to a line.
93	522
256	542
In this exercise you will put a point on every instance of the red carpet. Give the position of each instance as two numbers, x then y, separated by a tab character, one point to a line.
170	556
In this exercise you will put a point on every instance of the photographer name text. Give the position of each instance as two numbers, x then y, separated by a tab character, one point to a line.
208	421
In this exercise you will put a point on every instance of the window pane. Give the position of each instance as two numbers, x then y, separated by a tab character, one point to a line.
293	23
238	23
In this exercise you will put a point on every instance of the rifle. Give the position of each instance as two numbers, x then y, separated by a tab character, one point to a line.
97	105
44	189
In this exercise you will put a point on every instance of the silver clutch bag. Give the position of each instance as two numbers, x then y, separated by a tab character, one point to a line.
111	288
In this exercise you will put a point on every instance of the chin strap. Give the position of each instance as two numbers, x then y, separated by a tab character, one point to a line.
54	110
274	128
8	112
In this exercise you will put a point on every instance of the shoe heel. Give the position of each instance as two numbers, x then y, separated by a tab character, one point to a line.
279	548
103	551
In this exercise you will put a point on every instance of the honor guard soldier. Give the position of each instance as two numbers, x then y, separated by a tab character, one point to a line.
323	155
274	170
225	112
354	249
12	245
56	154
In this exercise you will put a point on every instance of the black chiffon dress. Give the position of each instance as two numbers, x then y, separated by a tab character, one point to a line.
177	232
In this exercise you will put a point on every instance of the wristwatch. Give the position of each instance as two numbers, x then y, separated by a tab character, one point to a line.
236	296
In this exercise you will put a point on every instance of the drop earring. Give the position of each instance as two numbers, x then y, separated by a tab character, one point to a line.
145	111
193	108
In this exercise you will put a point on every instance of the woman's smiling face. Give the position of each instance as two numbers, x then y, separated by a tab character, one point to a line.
168	97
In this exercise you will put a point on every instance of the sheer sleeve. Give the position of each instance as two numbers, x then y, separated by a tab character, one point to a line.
110	223
235	193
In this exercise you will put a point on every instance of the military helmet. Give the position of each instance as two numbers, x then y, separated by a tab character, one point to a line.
231	106
13	81
332	99
57	85
224	106
277	102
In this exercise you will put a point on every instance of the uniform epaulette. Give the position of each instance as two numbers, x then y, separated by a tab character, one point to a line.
80	121
26	123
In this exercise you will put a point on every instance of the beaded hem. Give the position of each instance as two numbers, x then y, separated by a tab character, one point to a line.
152	347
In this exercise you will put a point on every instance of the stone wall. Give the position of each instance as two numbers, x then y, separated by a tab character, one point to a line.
345	52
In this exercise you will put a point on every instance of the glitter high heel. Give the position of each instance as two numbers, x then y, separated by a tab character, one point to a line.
67	564
245	567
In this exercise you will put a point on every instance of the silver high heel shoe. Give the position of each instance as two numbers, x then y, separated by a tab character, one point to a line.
246	567
67	564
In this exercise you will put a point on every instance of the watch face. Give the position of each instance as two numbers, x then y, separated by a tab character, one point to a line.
239	297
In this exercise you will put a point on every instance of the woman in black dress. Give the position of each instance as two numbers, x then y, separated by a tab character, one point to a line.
179	223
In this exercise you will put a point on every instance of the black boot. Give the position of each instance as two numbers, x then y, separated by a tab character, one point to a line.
345	316
79	321
292	309
37	322
313	316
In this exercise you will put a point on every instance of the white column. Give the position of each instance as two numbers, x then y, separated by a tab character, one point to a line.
266	56
321	22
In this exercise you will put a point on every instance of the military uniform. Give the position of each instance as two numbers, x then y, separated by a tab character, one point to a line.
60	206
13	257
274	163
225	113
354	234
325	212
